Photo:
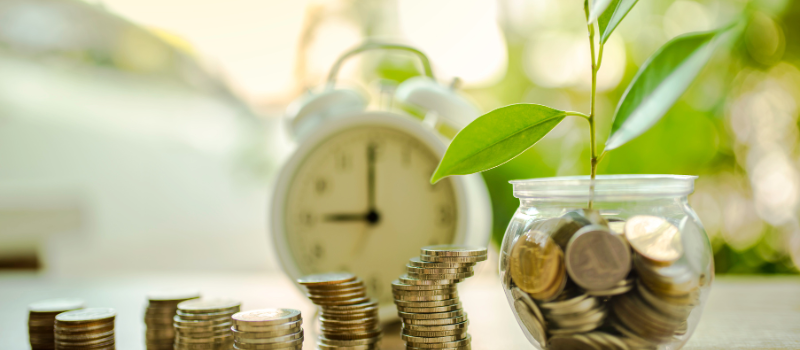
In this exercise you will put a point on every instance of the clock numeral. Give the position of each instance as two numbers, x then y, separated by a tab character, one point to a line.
406	155
318	251
307	219
374	285
321	186
343	161
446	215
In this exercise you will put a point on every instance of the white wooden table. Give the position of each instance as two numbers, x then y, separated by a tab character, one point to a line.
742	312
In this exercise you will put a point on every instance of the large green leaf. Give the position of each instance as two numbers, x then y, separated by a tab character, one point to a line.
661	80
612	16
497	137
597	9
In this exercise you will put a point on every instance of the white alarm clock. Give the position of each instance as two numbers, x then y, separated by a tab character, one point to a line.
356	194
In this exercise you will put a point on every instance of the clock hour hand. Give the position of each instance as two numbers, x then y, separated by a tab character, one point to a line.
370	217
347	217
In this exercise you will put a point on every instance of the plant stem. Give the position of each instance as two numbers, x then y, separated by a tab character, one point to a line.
596	60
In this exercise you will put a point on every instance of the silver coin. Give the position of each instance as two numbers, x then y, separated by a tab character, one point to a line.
597	259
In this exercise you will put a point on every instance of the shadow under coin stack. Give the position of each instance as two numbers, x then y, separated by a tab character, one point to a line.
158	317
348	317
427	299
279	329
42	319
572	286
85	329
204	324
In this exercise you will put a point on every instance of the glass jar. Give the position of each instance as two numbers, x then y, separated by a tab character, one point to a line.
629	269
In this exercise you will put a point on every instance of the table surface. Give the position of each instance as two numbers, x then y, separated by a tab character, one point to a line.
742	312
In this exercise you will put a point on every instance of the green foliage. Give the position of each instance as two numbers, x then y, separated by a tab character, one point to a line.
598	7
497	137
658	84
614	14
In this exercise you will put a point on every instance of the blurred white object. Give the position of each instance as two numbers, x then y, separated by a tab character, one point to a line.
119	152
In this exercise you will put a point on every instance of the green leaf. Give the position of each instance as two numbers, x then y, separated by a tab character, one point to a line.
661	80
611	18
598	7
497	137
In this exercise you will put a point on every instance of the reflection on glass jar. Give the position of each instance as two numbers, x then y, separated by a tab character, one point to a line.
629	269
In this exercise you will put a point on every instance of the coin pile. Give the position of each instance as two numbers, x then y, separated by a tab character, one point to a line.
85	329
575	282
348	317
42	319
427	299
158	317
268	329
204	324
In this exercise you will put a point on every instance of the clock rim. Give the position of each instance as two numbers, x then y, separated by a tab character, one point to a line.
471	193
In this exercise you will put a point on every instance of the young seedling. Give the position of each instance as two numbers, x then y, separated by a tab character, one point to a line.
504	133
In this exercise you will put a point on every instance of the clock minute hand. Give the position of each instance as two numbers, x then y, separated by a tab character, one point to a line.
371	177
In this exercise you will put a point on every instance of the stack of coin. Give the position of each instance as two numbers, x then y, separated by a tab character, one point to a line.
204	324
85	329
575	282
160	334
348	317
268	329
42	319
427	299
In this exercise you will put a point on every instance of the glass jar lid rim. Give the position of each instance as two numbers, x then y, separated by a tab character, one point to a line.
605	185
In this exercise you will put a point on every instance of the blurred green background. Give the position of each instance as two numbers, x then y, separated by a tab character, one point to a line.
736	127
128	122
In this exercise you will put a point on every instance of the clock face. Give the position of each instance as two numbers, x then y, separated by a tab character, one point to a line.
361	201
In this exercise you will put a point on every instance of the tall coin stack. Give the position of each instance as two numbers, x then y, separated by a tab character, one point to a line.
348	317
427	299
576	283
158	317
204	324
42	319
268	329
85	329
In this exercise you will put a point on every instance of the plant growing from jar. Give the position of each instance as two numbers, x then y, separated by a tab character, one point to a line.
610	261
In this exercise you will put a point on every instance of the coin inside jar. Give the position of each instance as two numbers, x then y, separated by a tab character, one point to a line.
597	259
535	262
654	238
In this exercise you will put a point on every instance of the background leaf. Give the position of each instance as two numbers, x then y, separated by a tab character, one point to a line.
597	9
614	14
497	137
658	84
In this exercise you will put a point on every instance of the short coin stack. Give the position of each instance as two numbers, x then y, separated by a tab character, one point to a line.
158	317
348	317
268	329
204	324
85	329
427	299
42	319
576	283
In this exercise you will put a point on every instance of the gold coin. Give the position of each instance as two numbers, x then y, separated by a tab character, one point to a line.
441	276
417	262
535	261
266	317
654	238
408	322
453	250
326	278
531	322
195	306
453	259
86	315
56	305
